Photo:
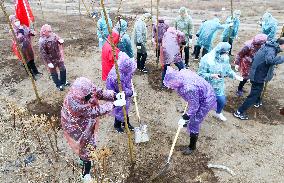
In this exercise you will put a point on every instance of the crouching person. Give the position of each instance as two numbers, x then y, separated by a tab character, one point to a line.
127	67
79	117
51	52
200	97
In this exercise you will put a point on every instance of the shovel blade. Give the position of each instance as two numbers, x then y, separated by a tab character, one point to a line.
141	134
162	172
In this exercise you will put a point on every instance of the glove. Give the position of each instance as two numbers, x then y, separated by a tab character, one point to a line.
231	24
240	78
101	39
119	103
181	122
120	95
134	94
138	47
197	35
61	41
50	65
236	67
190	41
185	117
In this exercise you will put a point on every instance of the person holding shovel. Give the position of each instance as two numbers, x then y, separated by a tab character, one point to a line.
102	30
127	67
261	71
230	33
162	28
24	36
79	118
244	58
214	67
184	24
51	52
124	44
199	95
172	41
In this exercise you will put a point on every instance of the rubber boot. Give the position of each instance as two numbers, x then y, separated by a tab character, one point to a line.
131	128
117	126
192	145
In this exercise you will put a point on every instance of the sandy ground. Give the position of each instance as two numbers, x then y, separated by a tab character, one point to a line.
252	149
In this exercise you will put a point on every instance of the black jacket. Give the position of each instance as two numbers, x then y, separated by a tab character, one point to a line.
264	61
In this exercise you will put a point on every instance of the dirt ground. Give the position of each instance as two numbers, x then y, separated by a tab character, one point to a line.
252	149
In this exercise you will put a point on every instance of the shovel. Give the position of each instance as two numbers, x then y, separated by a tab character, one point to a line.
167	165
141	134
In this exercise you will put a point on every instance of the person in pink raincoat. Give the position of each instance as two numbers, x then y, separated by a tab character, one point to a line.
199	95
51	53
244	58
162	28
79	116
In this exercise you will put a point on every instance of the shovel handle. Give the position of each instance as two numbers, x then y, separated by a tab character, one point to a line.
174	143
136	104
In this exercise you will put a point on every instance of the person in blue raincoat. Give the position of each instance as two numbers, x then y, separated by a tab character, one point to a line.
206	35
214	67
124	44
230	33
102	30
269	25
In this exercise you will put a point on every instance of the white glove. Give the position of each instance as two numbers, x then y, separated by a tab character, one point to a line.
181	122
50	65
119	103
139	47
236	67
240	78
134	94
120	96
61	41
231	24
190	41
101	39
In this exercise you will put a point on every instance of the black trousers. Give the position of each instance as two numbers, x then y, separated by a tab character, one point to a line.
242	84
141	59
32	68
86	167
186	54
253	98
197	49
230	41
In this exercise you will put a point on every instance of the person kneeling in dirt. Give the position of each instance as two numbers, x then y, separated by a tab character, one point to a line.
261	71
79	117
244	58
200	97
24	35
51	52
172	41
214	67
140	40
127	67
124	44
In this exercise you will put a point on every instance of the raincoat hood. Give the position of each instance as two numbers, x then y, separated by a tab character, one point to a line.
259	39
121	26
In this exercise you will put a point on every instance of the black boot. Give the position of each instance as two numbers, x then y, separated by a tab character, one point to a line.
117	126
57	82
131	128
197	51
192	145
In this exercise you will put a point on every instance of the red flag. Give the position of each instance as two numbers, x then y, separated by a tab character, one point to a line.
24	12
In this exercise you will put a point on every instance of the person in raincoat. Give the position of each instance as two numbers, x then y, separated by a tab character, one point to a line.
214	67
79	118
124	44
51	52
24	36
162	28
230	33
199	95
140	40
107	56
172	41
184	24
269	25
102	30
244	58
127	67
206	35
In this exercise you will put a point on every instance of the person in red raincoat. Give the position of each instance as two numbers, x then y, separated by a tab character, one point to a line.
245	57
79	117
107	57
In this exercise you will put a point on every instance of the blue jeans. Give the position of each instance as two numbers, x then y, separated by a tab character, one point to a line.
221	102
180	66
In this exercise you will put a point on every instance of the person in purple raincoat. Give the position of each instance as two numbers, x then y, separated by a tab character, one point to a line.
162	29
172	41
127	67
200	97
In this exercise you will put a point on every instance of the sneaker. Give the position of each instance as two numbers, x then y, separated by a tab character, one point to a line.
144	70
257	105
87	178
67	84
188	151
220	117
61	88
239	93
195	59
237	114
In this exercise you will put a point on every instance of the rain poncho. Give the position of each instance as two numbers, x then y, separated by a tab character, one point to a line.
212	63
124	44
102	30
231	31
79	118
207	32
184	23
127	67
245	56
171	43
107	57
269	25
196	91
162	28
